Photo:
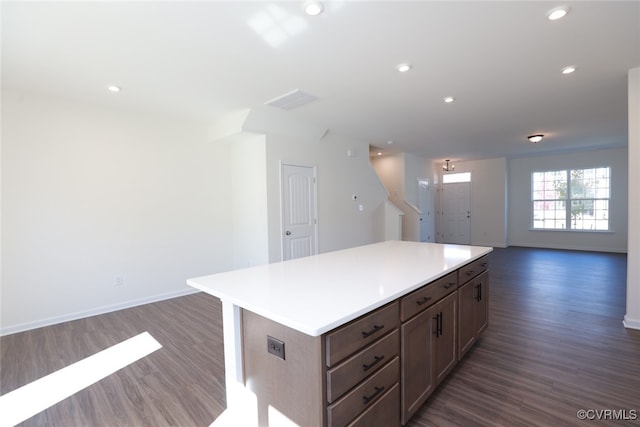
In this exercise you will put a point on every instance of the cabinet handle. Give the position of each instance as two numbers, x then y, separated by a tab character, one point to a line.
484	264
375	329
376	359
470	273
423	300
368	399
438	320
448	285
478	292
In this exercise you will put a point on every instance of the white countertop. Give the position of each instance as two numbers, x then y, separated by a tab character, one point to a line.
319	293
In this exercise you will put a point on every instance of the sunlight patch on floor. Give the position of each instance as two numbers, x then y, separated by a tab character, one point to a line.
26	401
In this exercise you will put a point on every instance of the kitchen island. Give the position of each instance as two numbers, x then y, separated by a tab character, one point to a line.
327	340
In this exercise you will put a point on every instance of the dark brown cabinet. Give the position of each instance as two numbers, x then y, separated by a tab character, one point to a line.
444	354
417	336
473	302
428	342
363	370
378	369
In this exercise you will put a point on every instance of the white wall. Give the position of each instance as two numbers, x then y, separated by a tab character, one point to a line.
390	170
414	168
520	170
632	316
90	193
340	223
249	199
488	200
400	173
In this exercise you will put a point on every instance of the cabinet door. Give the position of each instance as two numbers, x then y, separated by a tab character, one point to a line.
383	413
473	307
466	317
416	371
445	356
481	318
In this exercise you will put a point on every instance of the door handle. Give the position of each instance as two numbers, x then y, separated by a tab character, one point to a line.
288	233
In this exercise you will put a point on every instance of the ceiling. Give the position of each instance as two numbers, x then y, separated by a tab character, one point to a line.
201	60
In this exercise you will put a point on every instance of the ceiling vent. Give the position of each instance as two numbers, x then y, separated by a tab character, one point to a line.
294	99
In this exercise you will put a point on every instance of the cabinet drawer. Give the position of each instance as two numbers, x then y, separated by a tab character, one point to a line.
382	413
350	338
364	396
356	368
472	269
429	294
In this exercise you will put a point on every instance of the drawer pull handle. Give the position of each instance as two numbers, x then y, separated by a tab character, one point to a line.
438	319
375	329
368	399
377	359
448	285
479	292
423	300
470	273
484	264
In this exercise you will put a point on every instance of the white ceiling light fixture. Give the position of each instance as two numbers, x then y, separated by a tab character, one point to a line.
313	8
404	67
389	142
448	99
569	69
557	13
114	88
535	138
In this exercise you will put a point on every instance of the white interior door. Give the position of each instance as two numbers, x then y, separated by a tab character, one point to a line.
299	219
425	204
456	212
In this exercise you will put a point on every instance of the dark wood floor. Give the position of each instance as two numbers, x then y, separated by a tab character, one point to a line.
555	345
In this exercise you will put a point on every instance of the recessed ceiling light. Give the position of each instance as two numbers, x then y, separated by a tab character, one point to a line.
568	69
535	138
114	89
313	8
403	68
389	142
557	13
448	99
379	153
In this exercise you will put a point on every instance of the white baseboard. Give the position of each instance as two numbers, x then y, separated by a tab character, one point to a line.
569	247
94	312
631	323
490	244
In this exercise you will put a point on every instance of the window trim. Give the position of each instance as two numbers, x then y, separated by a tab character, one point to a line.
568	201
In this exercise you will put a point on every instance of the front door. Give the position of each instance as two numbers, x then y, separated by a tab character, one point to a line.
456	212
299	219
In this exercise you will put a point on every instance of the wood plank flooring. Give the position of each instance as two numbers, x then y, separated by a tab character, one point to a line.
555	345
182	384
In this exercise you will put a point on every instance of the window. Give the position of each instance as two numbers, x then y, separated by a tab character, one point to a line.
451	178
575	199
